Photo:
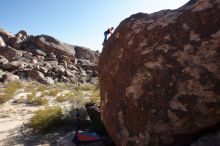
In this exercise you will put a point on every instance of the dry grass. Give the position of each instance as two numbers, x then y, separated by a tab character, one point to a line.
53	92
46	119
10	90
61	98
33	99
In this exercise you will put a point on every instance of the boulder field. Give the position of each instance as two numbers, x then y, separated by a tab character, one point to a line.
44	59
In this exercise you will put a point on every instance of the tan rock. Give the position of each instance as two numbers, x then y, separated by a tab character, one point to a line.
2	43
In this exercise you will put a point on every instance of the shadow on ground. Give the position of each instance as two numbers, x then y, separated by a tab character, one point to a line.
25	138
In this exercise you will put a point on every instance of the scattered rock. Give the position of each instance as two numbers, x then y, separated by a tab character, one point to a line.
49	59
49	45
87	65
7	77
52	63
10	53
10	66
33	49
72	67
87	54
63	58
3	60
59	69
39	76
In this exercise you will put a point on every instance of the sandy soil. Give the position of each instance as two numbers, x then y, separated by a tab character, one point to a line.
12	118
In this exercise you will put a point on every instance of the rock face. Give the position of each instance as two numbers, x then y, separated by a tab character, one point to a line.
84	53
49	45
44	59
10	53
160	76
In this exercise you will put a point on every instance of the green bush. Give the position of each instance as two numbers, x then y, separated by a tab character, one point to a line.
46	119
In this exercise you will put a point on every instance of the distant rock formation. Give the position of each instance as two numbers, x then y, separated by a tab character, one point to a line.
160	76
44	59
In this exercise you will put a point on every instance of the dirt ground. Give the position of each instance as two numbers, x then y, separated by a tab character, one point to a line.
12	129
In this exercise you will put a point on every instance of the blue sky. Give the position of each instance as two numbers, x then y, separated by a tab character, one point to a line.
78	22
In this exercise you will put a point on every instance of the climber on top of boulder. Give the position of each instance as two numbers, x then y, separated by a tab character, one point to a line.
108	31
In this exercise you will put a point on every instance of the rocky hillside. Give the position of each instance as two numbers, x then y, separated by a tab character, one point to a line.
160	77
44	59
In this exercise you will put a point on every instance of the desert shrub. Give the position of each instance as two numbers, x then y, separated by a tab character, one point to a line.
46	119
53	92
69	95
79	88
40	101
95	97
74	82
21	100
88	87
10	90
79	94
4	98
4	115
30	87
42	88
12	87
32	99
61	98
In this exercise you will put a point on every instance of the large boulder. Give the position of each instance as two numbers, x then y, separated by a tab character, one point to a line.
10	53
85	53
50	45
13	65
38	76
59	69
8	77
1	74
2	43
160	76
22	34
86	64
3	60
6	36
30	74
35	51
63	58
